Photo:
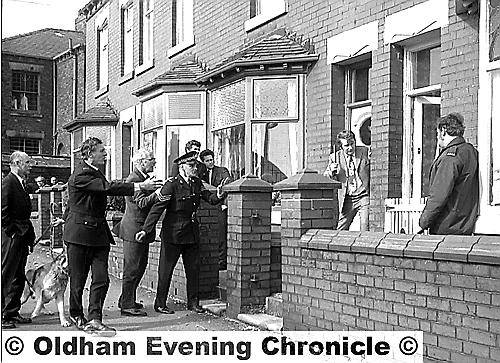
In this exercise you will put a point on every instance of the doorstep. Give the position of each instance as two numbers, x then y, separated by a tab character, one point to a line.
262	321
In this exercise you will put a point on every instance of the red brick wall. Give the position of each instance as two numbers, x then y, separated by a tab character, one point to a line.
373	281
27	121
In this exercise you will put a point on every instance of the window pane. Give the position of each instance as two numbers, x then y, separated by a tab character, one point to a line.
177	138
275	98
360	84
103	133
153	113
494	29
32	146
430	113
229	149
427	67
275	151
77	139
495	131
228	105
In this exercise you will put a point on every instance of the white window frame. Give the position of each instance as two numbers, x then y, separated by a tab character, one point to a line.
409	94
102	55
146	36
127	35
269	9
489	214
184	24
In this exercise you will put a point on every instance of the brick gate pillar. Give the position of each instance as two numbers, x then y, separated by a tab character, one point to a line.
56	211
44	212
248	243
308	202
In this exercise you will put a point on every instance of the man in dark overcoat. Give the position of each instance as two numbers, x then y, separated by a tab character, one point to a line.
88	236
180	198
18	237
453	203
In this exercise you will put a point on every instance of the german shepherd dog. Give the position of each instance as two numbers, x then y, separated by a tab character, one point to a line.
48	282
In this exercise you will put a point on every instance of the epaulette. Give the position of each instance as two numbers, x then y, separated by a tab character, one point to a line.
451	153
163	198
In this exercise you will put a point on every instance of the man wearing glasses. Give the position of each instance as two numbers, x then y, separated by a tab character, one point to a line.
180	235
135	254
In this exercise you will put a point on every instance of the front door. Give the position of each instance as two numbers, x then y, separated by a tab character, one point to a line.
424	147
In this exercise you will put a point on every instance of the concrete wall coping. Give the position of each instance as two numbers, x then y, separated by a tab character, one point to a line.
467	249
248	183
307	179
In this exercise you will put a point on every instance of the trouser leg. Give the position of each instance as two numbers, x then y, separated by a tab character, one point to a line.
14	258
78	267
100	282
346	215
169	254
191	260
133	269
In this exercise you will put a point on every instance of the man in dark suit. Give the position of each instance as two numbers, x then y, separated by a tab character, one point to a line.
351	166
135	254
192	145
217	176
180	198
88	236
18	237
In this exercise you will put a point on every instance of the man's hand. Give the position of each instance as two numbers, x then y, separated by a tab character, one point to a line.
139	236
57	222
150	184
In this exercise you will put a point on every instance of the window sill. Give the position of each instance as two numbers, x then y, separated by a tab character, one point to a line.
101	91
22	113
261	19
180	48
126	77
144	67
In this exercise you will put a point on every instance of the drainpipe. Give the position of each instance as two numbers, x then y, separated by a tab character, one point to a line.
75	83
54	107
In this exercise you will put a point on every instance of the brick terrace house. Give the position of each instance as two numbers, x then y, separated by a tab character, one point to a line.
267	85
42	88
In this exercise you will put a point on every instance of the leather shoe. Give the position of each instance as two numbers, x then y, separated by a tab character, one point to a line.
19	319
78	321
163	310
136	305
8	324
96	327
133	312
196	308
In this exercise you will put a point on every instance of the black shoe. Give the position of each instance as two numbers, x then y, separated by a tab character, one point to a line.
136	305
196	308
133	312
78	321
19	319
8	324
96	327
163	310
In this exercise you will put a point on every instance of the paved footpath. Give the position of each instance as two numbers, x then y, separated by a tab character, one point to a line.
181	320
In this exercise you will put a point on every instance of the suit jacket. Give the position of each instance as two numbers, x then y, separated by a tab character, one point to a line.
362	163
181	201
86	212
219	173
453	203
136	211
16	210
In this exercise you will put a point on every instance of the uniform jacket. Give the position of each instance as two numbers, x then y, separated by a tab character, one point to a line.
453	202
180	201
219	173
136	211
16	210
362	163
85	214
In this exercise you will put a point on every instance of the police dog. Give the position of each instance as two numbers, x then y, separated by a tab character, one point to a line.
48	282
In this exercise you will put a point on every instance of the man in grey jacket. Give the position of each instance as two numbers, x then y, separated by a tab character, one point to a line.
135	254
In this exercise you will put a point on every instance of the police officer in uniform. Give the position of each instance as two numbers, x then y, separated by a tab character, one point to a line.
180	196
453	203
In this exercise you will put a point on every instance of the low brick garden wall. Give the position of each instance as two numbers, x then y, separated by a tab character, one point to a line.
448	287
209	258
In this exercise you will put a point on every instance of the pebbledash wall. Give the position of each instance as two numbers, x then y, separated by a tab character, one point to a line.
219	33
